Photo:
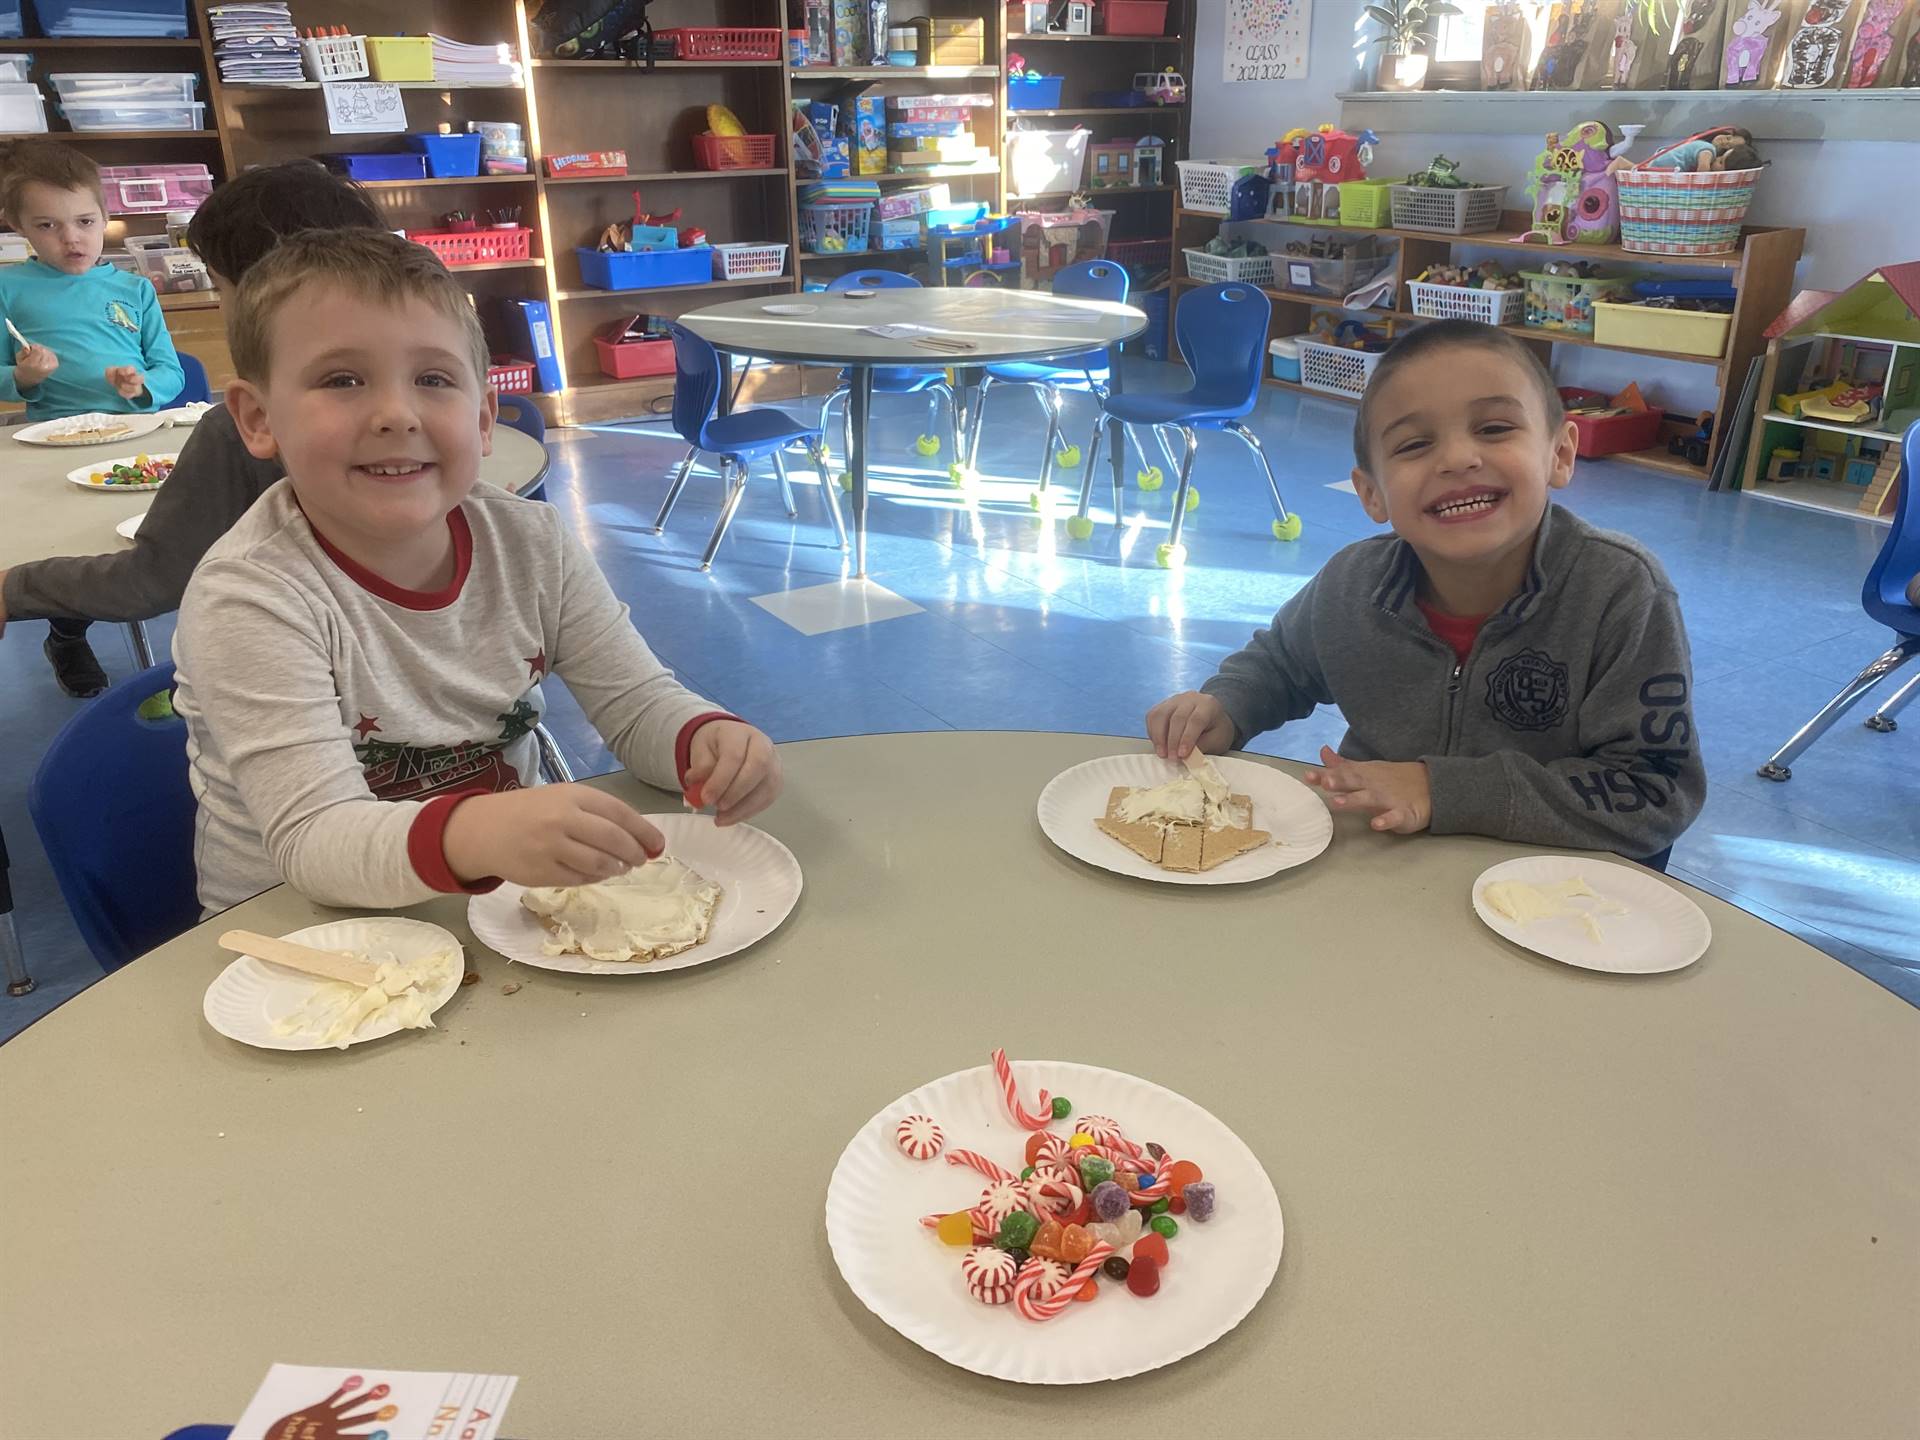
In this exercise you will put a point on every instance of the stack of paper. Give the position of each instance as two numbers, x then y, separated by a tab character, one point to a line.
460	64
142	19
255	44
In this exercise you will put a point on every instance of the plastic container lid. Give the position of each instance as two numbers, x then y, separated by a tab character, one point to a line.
1287	348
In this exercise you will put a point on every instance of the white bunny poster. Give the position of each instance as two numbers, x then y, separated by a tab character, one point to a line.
1754	38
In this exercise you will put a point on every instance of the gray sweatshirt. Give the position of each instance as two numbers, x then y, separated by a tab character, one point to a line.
1569	724
212	485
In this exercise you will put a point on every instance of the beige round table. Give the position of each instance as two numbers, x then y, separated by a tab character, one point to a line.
1521	1199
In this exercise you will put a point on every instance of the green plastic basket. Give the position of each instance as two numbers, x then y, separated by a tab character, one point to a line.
1366	204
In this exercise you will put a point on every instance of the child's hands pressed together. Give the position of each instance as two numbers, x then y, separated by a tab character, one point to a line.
1189	721
734	768
127	380
1396	791
34	364
548	835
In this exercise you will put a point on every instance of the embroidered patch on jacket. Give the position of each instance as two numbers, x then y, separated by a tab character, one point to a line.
1529	691
118	314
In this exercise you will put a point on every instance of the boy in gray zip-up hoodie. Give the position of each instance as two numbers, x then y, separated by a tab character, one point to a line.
1504	667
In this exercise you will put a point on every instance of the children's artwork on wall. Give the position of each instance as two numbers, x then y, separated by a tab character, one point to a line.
1563	58
1600	30
1875	43
1266	40
1753	45
1816	46
1651	38
1506	39
1910	64
1695	61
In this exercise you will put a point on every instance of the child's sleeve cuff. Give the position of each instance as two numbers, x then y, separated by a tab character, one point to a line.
683	746
426	846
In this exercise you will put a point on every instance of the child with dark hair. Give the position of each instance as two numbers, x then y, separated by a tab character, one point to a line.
1504	668
215	479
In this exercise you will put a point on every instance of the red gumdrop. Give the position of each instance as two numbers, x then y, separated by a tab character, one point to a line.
1143	1276
1176	1204
1151	1246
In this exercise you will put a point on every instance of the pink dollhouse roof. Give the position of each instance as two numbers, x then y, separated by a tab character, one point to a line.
1902	279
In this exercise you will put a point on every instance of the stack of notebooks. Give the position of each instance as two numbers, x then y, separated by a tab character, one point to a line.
141	19
458	64
255	44
831	192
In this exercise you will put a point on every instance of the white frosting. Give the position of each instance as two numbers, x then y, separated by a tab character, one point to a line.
1524	903
659	909
335	1012
1198	797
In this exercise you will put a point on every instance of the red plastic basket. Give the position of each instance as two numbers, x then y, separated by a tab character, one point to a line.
510	376
1134	17
1610	434
727	42
476	247
634	359
733	152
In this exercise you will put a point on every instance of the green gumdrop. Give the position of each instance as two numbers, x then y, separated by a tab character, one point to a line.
1160	1206
1027	1174
1165	1225
1017	1231
1094	1169
1062	1107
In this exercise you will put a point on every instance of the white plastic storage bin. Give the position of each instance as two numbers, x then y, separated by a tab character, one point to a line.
335	57
1046	162
1458	302
135	115
1229	269
1285	355
170	268
13	69
1447	212
1207	185
1335	369
22	111
97	87
745	262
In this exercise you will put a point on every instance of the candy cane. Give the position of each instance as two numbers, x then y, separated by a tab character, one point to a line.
981	1234
1029	1279
976	1161
1003	1072
1054	1197
1147	1194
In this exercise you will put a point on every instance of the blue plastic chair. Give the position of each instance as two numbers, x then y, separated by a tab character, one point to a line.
1890	598
894	379
1092	372
1222	331
519	413
738	439
115	813
196	390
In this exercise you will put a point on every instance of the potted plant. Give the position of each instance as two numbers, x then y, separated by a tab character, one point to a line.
1406	28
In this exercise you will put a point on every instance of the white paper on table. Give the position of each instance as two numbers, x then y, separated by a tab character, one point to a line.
901	332
401	1404
359	108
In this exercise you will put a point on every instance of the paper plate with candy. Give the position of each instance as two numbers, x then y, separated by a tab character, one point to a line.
1107	1228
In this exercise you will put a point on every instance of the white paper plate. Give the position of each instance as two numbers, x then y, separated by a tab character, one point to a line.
129	527
789	309
1300	823
81	476
905	1275
248	996
758	877
47	432
1661	930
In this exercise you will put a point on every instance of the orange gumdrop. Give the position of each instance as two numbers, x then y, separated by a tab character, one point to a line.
1088	1290
1075	1242
955	1229
1046	1242
1181	1174
1127	1180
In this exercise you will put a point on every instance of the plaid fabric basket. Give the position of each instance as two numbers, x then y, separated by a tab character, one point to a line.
1684	212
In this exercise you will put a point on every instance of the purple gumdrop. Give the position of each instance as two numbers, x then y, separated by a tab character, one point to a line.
1200	1200
1110	1201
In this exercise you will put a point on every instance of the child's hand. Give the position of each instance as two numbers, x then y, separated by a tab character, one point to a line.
1397	791
1186	722
34	364
128	380
734	768
548	835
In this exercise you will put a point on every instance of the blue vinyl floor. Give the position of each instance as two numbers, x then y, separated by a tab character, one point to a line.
1020	628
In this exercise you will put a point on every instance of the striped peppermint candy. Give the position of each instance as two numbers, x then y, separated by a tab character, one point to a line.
918	1137
1000	1200
989	1274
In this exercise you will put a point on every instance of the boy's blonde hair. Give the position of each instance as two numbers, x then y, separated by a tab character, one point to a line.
372	264
44	162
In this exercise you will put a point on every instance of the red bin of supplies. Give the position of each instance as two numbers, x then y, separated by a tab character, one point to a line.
1134	17
1610	434
634	358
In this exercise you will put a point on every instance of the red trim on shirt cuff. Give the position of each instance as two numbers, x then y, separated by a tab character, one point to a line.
683	746
426	846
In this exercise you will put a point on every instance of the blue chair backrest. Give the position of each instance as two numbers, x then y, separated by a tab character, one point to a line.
196	391
696	385
1222	330
520	414
1885	594
114	809
874	280
1094	280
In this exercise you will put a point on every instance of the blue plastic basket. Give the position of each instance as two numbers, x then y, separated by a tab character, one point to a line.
835	228
1033	92
647	270
382	165
449	157
141	19
10	26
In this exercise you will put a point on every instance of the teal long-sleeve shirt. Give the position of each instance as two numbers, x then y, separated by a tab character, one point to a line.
91	321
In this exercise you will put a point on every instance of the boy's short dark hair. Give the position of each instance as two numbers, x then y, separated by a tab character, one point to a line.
1450	335
44	162
250	214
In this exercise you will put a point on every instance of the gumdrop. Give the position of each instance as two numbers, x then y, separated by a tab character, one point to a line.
1089	1291
1121	1233
1200	1200
1046	1242
1128	1180
1094	1169
1017	1231
1181	1174
955	1229
1151	1246
1109	1201
1075	1242
1143	1277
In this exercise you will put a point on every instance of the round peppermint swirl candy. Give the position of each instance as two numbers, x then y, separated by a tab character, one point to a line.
1000	1200
919	1138
1052	1276
989	1274
1098	1128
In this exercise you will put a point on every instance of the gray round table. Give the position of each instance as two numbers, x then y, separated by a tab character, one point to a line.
998	327
1521	1199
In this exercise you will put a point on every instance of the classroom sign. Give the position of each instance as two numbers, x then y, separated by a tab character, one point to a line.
1267	40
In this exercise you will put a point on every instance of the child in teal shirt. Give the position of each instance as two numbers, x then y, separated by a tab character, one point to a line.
95	337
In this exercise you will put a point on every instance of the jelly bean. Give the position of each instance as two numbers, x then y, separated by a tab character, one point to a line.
1165	1225
1094	1169
955	1229
1115	1268
1181	1174
1088	1290
1045	1242
1109	1200
1017	1231
1062	1107
1160	1206
1200	1200
1027	1174
1075	1242
1176	1205
1158	1152
1143	1278
1079	1142
1151	1246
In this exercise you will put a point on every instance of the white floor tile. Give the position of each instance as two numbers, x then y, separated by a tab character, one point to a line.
837	605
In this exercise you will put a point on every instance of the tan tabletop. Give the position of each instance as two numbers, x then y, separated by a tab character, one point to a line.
1521	1199
42	514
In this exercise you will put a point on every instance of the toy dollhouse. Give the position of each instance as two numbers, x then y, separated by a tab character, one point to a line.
1111	163
1148	168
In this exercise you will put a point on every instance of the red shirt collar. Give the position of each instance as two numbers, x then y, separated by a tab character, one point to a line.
386	590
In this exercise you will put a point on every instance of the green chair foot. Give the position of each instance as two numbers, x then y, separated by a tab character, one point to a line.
1193	498
1169	557
844	481
1067	456
1150	479
959	476
1080	527
927	445
1287	529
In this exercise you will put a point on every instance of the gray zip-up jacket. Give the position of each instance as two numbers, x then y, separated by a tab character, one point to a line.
1570	724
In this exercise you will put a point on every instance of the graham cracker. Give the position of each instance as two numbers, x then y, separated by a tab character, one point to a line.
1137	835
1184	848
1219	846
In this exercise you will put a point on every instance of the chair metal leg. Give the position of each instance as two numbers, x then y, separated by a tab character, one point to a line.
1260	454
1050	402
1166	448
978	419
826	409
786	487
553	765
955	423
1186	483
19	982
829	491
1882	719
1779	766
859	409
673	491
142	650
738	470
1084	510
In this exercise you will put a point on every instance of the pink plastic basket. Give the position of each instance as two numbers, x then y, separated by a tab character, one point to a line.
149	189
476	247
